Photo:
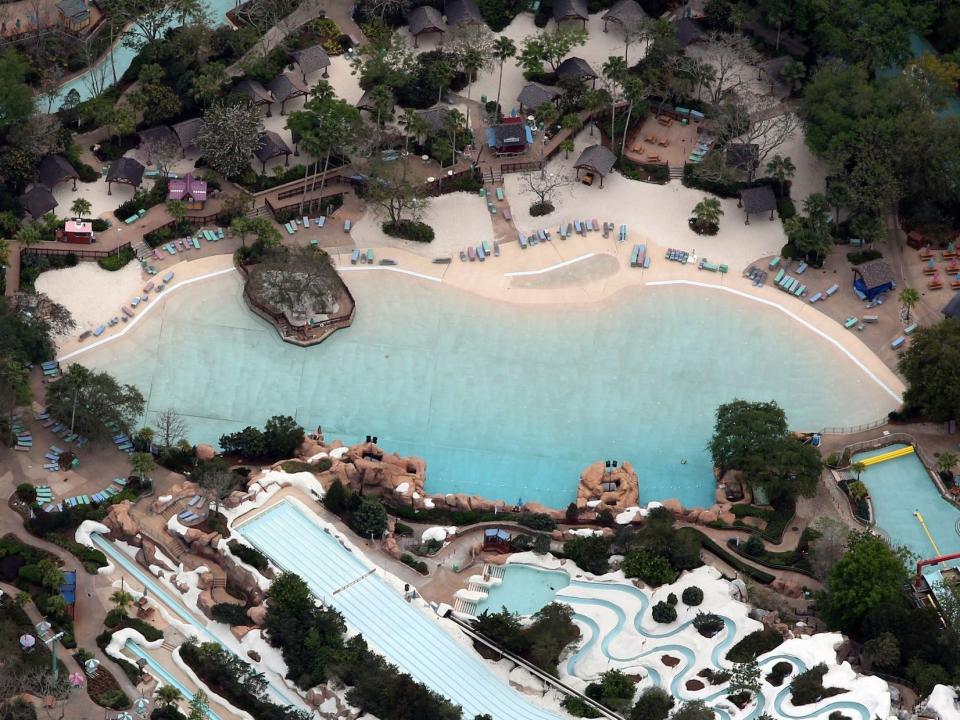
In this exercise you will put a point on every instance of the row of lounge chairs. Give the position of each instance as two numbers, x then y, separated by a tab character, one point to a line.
61	430
481	251
24	436
126	311
821	296
789	284
677	255
116	487
364	258
500	198
756	276
304	222
639	257
193	511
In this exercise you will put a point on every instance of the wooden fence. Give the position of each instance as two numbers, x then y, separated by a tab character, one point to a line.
81	252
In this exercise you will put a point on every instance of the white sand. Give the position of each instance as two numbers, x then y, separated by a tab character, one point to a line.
458	219
102	204
93	295
654	214
811	174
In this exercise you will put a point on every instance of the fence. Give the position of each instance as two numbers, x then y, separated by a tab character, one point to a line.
855	428
80	253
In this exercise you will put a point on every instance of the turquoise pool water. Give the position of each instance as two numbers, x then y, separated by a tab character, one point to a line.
900	486
524	590
507	401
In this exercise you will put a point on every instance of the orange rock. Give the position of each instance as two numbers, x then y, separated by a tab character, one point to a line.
706	517
205	452
673	506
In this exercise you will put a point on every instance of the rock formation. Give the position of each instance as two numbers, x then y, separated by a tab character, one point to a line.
121	523
367	469
616	488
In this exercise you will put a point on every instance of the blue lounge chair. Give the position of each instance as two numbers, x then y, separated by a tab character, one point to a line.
500	194
321	221
816	297
801	268
168	276
898	342
347	225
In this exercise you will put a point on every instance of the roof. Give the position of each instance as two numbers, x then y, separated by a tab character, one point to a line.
78	226
271	145
460	12
570	10
425	19
74	9
366	101
283	87
596	158
575	67
311	59
55	169
875	273
435	117
626	12
758	200
159	135
38	201
187	132
509	134
255	91
187	186
689	31
743	156
534	95
125	170
952	308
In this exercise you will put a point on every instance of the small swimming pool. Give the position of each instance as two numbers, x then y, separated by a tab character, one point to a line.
900	487
524	589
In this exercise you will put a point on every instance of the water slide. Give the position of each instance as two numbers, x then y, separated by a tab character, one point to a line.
165	677
899	452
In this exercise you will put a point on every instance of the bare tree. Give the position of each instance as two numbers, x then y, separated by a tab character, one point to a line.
162	151
393	193
95	79
829	547
756	120
38	308
297	281
171	427
381	8
217	486
544	186
730	55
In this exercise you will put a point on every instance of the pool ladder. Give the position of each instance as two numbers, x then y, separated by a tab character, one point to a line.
491	575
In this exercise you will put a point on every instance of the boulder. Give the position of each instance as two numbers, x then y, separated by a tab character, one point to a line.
205	581
121	523
253	655
674	506
205	603
523	680
728	518
257	615
234	499
706	517
205	452
239	631
391	547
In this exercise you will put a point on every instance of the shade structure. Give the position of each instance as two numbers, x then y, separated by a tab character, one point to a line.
27	641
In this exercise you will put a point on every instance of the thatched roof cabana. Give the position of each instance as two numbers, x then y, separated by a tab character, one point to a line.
38	201
435	118
286	87
310	60
577	69
187	132
257	93
596	159
126	171
570	10
626	13
424	20
54	169
758	200
271	145
160	140
534	95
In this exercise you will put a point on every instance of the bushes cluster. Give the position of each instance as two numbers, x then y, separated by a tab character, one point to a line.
280	437
654	570
755	644
537	521
807	687
664	612
114	699
591	554
413	230
91	558
26	493
540	642
419	565
541	208
778	673
230	614
862	256
251	556
142	200
117	260
708	624
692	596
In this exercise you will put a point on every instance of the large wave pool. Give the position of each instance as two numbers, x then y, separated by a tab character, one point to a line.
505	401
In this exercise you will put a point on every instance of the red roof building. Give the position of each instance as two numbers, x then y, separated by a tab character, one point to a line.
188	190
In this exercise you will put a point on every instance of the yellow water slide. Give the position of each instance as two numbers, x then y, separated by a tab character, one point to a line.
899	452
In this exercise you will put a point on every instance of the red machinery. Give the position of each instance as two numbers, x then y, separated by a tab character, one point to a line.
932	561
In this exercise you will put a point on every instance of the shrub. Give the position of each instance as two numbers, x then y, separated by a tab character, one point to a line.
229	614
113	699
855	258
100	225
653	569
116	261
708	624
753	546
755	644
537	521
91	558
295	466
833	460
409	230
589	553
714	677
654	703
27	493
672	599
578	708
87	174
541	208
664	612
400	528
785	208
807	687
419	565
692	596
778	673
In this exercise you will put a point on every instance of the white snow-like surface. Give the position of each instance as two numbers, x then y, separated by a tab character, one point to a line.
943	702
119	638
402	488
339	453
585	532
438	533
165	498
318	456
428	503
82	536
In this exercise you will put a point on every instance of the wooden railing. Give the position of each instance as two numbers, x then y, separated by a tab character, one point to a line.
81	252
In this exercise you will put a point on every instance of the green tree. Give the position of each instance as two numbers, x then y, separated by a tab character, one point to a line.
653	569
794	73
122	600
875	33
858	467
142	464
16	97
167	696
56	606
369	520
706	213
882	652
908	299
693	710
503	49
869	574
781	169
654	703
198	706
743	433
229	134
550	48
51	577
29	235
80	207
590	554
14	385
336	498
615	74
94	402
441	73
282	436
946	462
177	210
208	82
745	677
931	366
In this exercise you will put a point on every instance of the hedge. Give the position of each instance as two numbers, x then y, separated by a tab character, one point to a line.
418	565
409	230
116	261
755	644
249	555
759	576
91	558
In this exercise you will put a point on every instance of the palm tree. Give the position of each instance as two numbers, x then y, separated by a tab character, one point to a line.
614	70
946	462
455	122
29	235
594	100
177	210
858	467
707	212
702	75
781	169
121	600
142	464
471	61
80	207
634	92
167	695
794	72
407	121
909	299
503	48
571	122
567	147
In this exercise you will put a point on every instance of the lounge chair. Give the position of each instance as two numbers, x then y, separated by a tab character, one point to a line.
773	263
289	228
801	268
347	225
850	322
816	297
779	276
832	289
321	221
898	342
500	195
910	329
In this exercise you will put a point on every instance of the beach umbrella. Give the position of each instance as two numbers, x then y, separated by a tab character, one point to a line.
27	642
124	716
91	666
140	705
76	679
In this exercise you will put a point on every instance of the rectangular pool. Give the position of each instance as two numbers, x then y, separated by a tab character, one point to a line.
406	636
900	487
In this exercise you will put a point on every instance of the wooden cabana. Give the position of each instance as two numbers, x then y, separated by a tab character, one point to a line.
187	132
564	10
257	93
425	20
156	138
271	145
287	87
310	60
757	200
627	14
74	15
574	68
534	95
125	171
55	169
38	201
596	159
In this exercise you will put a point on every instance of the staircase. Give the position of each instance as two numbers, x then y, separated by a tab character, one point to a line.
465	606
491	174
676	172
142	250
168	646
219	582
